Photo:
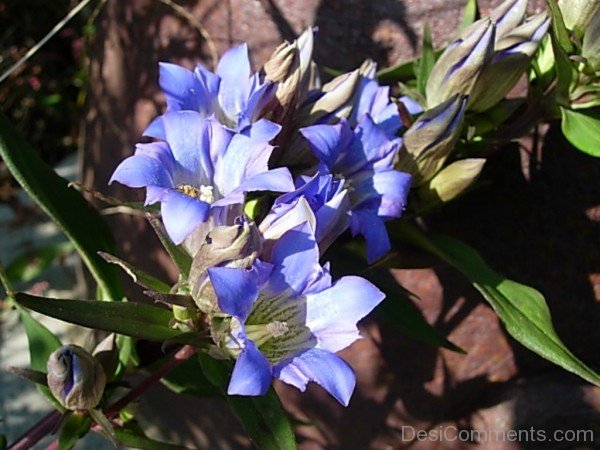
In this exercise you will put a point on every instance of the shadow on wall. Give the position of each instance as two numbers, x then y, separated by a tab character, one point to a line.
346	29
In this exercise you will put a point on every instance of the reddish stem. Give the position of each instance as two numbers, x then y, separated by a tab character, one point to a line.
37	432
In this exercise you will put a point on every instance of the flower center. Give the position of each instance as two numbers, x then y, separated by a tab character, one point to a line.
260	334
205	193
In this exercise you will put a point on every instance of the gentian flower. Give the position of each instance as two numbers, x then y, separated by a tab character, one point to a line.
288	319
322	201
201	169
234	95
363	158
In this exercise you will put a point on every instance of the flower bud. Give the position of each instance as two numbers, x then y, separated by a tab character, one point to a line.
429	141
507	16
452	180
458	68
290	67
235	246
75	378
591	42
511	58
577	14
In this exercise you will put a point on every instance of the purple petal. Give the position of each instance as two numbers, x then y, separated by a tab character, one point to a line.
295	257
389	119
332	220
180	86
182	214
142	170
156	129
412	106
276	180
384	192
333	313
262	131
327	141
189	136
252	372
234	71
371	226
323	367
236	290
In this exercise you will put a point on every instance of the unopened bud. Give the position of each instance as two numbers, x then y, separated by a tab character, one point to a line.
507	16
511	58
591	42
290	67
75	378
458	68
577	14
429	141
235	246
452	180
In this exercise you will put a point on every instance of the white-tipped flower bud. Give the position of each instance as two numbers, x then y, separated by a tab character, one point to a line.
75	378
429	141
457	69
511	58
507	16
577	14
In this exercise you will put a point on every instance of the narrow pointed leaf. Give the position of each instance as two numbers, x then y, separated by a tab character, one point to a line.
138	276
128	318
522	309
470	15
427	60
262	417
82	224
182	260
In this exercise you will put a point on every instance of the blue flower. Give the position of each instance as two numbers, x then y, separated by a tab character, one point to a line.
288	319
322	201
364	159
201	169
234	95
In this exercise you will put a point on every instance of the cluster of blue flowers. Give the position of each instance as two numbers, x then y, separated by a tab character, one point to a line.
328	152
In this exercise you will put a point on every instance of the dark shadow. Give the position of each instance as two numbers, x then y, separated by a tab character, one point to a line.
346	28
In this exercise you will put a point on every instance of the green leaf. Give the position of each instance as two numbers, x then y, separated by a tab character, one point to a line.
582	129
182	260
426	62
263	417
559	30
522	309
470	15
138	276
42	342
397	308
189	379
81	223
31	264
74	428
135	438
131	319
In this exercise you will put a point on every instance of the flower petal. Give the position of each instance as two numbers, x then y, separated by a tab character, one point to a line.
182	214
333	313
371	226
142	170
234	71
180	86
189	136
384	192
252	372
326	141
295	257
236	290
156	129
323	367
276	180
